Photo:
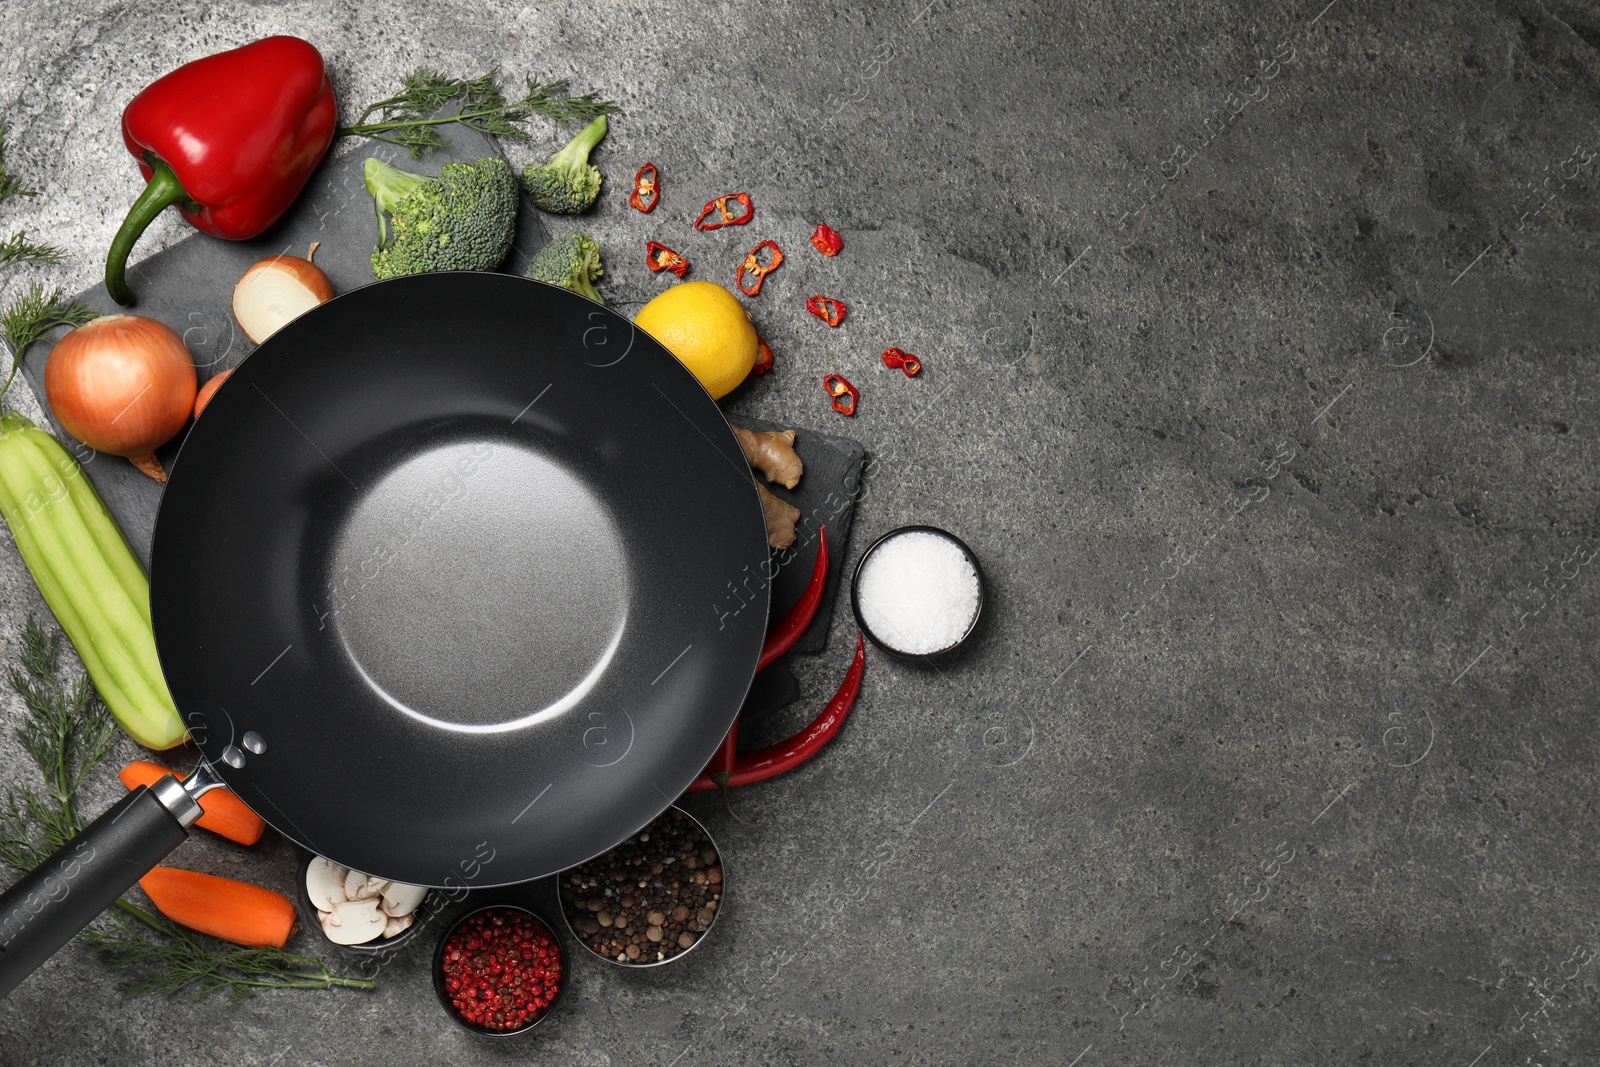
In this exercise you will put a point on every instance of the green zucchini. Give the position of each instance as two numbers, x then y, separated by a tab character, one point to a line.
88	576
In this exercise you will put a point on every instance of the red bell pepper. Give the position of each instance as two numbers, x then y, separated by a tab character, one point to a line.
230	139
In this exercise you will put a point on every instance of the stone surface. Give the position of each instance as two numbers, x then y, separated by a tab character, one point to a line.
1260	346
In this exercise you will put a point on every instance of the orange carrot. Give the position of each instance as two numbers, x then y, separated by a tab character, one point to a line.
225	813
234	911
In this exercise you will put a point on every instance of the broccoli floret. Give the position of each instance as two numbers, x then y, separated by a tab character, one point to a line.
572	261
568	185
462	220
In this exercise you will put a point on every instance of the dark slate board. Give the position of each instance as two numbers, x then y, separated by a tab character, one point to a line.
189	287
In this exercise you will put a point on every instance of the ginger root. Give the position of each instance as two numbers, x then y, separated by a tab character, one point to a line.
772	453
780	517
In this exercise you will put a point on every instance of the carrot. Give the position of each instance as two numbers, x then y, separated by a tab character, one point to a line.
225	813
234	911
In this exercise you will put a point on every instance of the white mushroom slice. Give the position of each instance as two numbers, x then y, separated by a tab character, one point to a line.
401	899
354	921
355	885
322	916
375	886
396	924
325	883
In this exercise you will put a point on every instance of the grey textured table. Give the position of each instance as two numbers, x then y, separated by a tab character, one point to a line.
1260	347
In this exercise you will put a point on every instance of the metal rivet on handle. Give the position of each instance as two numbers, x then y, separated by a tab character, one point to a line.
254	742
233	757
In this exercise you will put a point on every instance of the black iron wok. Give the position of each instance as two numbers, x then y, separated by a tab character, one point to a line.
433	580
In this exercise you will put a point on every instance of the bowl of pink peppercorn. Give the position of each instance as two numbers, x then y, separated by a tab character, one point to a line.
499	970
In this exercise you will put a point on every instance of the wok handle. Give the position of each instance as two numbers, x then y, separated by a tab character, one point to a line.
48	907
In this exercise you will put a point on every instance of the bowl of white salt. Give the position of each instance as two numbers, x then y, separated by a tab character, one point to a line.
918	593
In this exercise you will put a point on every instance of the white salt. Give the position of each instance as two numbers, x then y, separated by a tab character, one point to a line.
918	592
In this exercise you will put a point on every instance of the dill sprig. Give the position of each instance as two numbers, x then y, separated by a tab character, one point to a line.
67	733
32	315
19	248
179	959
409	117
10	184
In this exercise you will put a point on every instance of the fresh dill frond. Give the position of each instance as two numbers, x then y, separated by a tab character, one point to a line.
177	959
32	315
68	731
10	184
409	118
18	248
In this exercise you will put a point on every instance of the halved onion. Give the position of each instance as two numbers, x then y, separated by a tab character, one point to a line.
277	290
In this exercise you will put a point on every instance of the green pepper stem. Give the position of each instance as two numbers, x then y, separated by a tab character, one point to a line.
163	191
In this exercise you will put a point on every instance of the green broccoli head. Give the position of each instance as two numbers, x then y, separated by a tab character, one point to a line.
568	185
572	261
462	220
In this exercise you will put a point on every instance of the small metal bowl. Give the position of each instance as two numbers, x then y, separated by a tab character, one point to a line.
444	998
377	944
722	903
882	643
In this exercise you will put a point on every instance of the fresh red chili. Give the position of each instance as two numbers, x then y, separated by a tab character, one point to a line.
501	969
895	359
725	217
827	309
758	271
229	139
658	257
845	397
783	636
827	240
786	755
763	356
646	189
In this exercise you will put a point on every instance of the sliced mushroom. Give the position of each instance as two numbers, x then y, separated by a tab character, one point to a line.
401	899
325	883
355	886
375	886
354	921
322	916
396	924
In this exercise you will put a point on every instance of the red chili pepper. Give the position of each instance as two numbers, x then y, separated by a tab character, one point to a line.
838	388
827	240
782	637
827	309
646	189
753	267
658	257
230	139
726	217
895	359
786	755
763	356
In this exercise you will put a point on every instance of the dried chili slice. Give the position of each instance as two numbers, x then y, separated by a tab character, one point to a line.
844	396
827	240
758	271
763	356
827	309
646	189
725	217
895	359
658	257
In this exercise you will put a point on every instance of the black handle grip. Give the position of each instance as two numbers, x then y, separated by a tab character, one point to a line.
48	907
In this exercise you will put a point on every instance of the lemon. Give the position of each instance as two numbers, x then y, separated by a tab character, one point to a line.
706	327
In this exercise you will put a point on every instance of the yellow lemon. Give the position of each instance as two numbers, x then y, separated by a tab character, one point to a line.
706	327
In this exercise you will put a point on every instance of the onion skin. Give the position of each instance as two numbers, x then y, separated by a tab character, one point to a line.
203	397
123	385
